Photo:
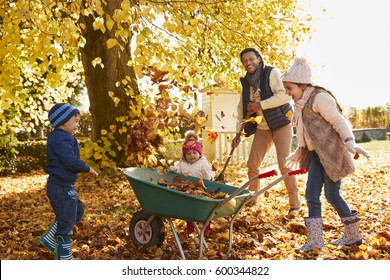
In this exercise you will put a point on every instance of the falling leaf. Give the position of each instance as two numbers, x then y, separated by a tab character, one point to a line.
256	119
201	113
212	137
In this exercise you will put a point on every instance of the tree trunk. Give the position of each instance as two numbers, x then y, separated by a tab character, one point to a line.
100	80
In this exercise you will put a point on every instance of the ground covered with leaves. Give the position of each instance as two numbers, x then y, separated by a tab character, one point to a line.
263	231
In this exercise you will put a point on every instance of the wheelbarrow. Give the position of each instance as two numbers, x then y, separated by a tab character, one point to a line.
159	202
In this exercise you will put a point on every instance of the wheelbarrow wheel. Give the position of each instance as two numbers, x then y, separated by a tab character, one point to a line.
154	233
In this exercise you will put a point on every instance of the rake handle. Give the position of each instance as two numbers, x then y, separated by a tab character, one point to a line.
233	148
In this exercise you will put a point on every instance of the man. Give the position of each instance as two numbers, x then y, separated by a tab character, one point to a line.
263	94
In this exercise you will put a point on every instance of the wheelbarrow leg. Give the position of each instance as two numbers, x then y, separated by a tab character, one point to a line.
232	220
177	239
199	232
201	235
230	237
201	242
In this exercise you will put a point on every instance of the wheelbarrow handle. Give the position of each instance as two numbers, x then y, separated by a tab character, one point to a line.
267	174
297	172
254	178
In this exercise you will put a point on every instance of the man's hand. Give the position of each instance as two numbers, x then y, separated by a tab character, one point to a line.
253	107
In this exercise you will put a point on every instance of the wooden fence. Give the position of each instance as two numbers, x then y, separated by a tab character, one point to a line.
220	150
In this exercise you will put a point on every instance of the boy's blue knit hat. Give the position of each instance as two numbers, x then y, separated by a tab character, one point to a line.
60	113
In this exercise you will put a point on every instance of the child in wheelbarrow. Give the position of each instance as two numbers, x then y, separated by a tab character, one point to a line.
195	164
325	145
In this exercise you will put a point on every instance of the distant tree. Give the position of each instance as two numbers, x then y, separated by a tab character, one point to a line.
370	117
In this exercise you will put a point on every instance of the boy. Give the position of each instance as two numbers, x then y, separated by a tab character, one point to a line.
63	154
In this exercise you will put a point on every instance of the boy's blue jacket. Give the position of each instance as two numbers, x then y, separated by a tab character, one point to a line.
63	155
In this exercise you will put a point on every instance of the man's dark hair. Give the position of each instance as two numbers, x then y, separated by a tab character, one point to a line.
250	50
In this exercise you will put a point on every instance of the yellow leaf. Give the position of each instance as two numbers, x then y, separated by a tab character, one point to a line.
140	38
98	24
111	43
96	61
97	155
109	23
363	247
201	120
113	127
104	132
257	119
116	101
194	22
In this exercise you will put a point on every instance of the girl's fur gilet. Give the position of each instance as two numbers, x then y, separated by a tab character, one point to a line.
329	146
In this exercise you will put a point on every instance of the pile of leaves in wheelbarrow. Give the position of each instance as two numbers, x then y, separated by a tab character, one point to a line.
193	188
264	231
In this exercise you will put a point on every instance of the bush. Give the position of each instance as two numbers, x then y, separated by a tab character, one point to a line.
30	156
24	157
24	164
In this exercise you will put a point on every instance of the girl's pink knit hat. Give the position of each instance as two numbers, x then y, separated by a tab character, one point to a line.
299	72
191	143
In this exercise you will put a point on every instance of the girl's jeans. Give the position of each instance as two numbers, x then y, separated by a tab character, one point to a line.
67	207
317	177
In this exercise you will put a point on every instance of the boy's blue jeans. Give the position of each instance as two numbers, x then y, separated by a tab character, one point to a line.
317	178
67	207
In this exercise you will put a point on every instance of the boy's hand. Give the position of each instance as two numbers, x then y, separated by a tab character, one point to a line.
92	171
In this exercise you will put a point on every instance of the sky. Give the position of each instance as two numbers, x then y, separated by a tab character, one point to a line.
350	50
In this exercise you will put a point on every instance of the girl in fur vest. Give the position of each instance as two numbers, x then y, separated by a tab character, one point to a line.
195	164
325	146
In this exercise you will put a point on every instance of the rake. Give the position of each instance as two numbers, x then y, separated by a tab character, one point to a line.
221	175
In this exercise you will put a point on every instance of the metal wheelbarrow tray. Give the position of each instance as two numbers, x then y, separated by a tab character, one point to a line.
158	201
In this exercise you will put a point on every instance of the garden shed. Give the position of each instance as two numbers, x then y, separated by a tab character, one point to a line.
220	107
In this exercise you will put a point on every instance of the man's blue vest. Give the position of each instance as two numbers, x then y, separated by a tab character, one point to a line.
275	117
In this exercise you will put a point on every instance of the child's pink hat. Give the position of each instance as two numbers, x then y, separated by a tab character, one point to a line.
191	143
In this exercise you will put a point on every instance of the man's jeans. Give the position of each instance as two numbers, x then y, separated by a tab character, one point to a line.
67	207
262	142
317	178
